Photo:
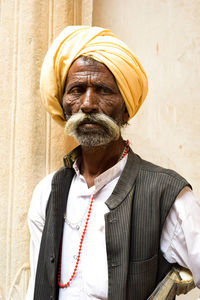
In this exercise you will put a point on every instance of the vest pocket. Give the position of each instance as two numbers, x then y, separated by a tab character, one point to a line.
141	278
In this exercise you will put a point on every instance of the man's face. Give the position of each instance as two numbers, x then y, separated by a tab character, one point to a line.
91	89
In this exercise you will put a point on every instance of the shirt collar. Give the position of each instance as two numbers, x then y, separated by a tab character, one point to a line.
106	176
110	174
71	161
71	157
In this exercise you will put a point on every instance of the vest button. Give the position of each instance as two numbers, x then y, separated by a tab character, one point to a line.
52	260
114	220
115	264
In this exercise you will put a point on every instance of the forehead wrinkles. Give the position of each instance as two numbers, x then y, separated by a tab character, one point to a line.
91	77
82	68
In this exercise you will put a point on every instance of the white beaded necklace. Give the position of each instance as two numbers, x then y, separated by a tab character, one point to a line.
77	225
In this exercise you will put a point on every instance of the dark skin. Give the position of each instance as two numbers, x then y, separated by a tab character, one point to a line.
91	88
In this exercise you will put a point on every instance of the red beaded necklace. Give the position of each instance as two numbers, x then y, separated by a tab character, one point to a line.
83	233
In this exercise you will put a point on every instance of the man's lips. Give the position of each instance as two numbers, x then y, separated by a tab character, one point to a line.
90	125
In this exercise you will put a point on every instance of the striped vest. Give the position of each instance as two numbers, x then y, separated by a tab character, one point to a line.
139	205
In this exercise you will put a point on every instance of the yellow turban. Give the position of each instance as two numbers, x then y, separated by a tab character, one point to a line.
102	45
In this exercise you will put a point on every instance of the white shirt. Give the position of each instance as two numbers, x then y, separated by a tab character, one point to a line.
180	239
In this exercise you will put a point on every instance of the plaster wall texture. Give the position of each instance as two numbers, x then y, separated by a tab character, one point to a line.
165	37
31	145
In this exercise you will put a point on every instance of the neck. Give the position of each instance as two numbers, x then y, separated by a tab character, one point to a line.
96	160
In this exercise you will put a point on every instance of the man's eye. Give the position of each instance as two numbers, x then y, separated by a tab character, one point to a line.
104	90
76	90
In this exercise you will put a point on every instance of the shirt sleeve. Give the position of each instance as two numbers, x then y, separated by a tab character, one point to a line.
180	239
36	221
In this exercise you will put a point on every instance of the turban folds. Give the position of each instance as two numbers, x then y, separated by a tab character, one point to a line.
103	46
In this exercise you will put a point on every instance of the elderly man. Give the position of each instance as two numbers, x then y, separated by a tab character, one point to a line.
108	225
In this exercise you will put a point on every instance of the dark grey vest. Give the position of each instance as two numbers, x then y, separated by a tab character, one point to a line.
138	205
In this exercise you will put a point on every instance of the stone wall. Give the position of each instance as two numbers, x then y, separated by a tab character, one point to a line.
31	144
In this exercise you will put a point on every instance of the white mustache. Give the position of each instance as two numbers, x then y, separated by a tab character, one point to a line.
101	119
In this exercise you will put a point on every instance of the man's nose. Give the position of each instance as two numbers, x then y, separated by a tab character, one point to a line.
89	103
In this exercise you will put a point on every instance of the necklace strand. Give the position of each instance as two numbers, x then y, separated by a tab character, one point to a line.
125	151
77	225
79	250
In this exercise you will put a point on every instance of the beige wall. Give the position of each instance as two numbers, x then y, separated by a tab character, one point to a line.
165	37
31	145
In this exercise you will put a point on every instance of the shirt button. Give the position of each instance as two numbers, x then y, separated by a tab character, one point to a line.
52	260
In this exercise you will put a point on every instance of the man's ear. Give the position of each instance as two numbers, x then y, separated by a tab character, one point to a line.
125	117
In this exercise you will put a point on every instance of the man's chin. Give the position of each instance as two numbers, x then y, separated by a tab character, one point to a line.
92	138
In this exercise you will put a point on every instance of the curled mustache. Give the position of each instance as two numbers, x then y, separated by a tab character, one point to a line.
111	129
